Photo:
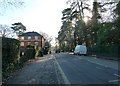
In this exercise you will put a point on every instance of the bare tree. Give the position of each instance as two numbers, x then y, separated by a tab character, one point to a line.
46	36
6	31
7	4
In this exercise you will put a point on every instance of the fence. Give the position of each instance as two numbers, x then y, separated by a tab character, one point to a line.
110	51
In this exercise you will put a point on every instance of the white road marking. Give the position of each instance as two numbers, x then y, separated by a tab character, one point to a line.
117	80
31	81
99	68
97	63
56	72
117	75
62	73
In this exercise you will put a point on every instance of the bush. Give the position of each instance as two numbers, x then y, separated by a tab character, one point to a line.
40	53
30	46
29	54
10	55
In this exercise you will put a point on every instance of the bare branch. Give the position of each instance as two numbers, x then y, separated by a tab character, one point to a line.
106	4
7	4
6	31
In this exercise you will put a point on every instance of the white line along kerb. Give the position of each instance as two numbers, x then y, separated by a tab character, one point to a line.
62	73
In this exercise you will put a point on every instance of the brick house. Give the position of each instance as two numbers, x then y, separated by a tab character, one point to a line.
31	38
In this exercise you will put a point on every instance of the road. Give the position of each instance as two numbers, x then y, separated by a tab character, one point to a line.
87	70
65	68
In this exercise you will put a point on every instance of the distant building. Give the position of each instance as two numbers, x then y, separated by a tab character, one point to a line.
31	38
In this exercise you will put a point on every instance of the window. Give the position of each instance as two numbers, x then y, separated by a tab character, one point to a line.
22	38
36	43
29	37
22	44
29	43
36	37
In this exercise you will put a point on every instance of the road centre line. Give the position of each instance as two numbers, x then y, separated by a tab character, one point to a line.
99	68
97	63
117	75
62	73
117	80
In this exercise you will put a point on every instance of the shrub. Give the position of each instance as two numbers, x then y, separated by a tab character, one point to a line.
10	55
30	46
40	53
29	54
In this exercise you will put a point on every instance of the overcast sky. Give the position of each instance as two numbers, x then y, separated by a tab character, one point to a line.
36	15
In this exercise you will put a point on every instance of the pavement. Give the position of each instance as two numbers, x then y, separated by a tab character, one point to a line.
40	71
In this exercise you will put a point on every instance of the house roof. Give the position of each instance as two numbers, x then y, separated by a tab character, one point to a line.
31	34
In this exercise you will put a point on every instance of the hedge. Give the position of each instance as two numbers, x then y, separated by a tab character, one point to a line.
12	59
29	53
10	55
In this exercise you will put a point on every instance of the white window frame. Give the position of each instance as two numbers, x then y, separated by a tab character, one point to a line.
22	44
29	43
36	37
29	37
22	38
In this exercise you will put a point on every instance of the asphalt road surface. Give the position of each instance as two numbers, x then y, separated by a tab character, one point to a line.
87	70
65	68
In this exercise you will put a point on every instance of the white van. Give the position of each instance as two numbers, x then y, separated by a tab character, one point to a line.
80	50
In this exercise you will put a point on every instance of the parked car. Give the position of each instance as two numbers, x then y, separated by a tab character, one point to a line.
62	50
57	51
80	50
